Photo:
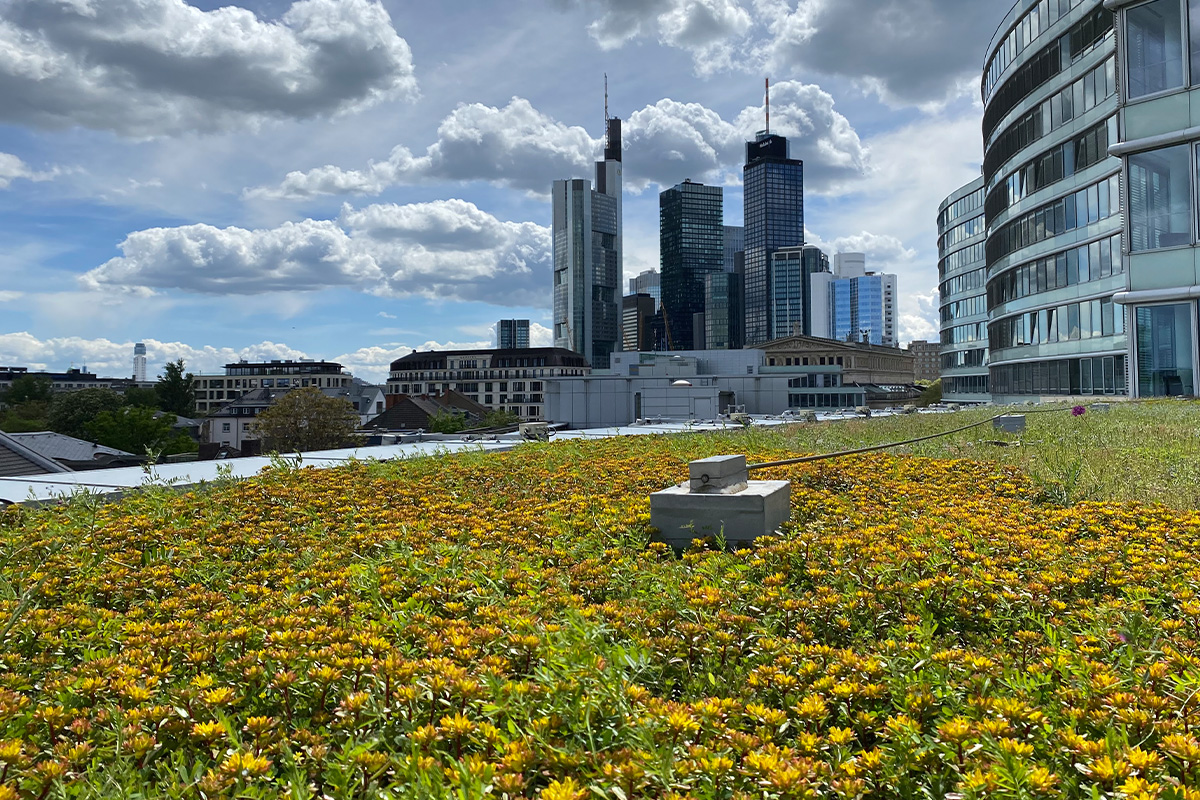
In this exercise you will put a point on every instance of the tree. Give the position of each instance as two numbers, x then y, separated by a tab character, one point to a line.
144	398
29	389
501	418
446	422
136	429
176	391
305	419
931	395
70	413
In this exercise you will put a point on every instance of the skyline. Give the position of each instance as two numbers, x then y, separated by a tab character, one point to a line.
155	192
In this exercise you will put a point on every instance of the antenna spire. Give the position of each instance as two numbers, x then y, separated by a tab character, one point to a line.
606	97
768	83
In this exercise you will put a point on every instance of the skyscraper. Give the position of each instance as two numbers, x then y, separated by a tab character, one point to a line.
139	362
862	305
774	218
735	243
588	258
791	289
962	267
649	282
512	334
724	311
691	245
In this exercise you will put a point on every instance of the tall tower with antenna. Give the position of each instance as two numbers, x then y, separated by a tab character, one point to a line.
773	189
589	254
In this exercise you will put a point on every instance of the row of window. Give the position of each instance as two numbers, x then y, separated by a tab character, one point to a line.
1058	109
473	388
965	384
960	207
964	308
1155	37
965	334
1090	262
1078	210
961	232
1024	33
1074	322
962	259
813	361
1081	39
1077	376
960	284
1058	163
965	358
815	382
851	400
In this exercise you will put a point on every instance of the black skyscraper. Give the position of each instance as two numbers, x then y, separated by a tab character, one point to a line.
691	245
774	218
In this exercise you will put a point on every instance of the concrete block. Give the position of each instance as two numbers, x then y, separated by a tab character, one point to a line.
535	431
720	475
681	515
1012	423
1101	408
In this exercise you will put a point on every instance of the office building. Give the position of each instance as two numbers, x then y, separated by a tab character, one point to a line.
1160	72
691	246
649	282
1052	210
773	188
512	334
792	271
638	312
139	363
724	311
587	241
962	270
215	391
499	380
735	247
852	304
927	359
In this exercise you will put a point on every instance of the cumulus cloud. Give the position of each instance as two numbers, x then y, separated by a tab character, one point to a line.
145	68
448	250
13	168
908	51
8	297
665	143
514	146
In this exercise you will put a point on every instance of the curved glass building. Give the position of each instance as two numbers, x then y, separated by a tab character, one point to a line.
1160	130
1052	206
962	270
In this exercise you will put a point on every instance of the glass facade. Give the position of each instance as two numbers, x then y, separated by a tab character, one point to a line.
724	309
791	274
856	309
773	189
962	270
1160	70
1165	354
691	246
1053	213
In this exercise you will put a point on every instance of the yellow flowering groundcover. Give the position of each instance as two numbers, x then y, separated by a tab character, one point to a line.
499	627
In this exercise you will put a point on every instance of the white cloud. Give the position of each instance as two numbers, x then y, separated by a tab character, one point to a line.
13	168
153	67
520	147
445	250
8	297
386	315
907	51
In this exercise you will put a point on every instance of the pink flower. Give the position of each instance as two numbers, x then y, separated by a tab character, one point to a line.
1078	411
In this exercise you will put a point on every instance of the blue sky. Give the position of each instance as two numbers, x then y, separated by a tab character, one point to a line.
349	179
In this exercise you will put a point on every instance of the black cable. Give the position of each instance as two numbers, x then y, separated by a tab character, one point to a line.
875	448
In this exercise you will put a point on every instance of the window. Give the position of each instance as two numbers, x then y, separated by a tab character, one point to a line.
1154	41
1160	199
224	427
1164	350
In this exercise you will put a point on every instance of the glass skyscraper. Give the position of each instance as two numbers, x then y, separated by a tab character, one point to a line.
791	292
773	187
691	245
724	306
587	258
962	269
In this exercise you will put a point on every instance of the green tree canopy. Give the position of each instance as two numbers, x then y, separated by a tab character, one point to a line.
27	389
176	393
305	419
71	412
135	429
137	396
446	422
